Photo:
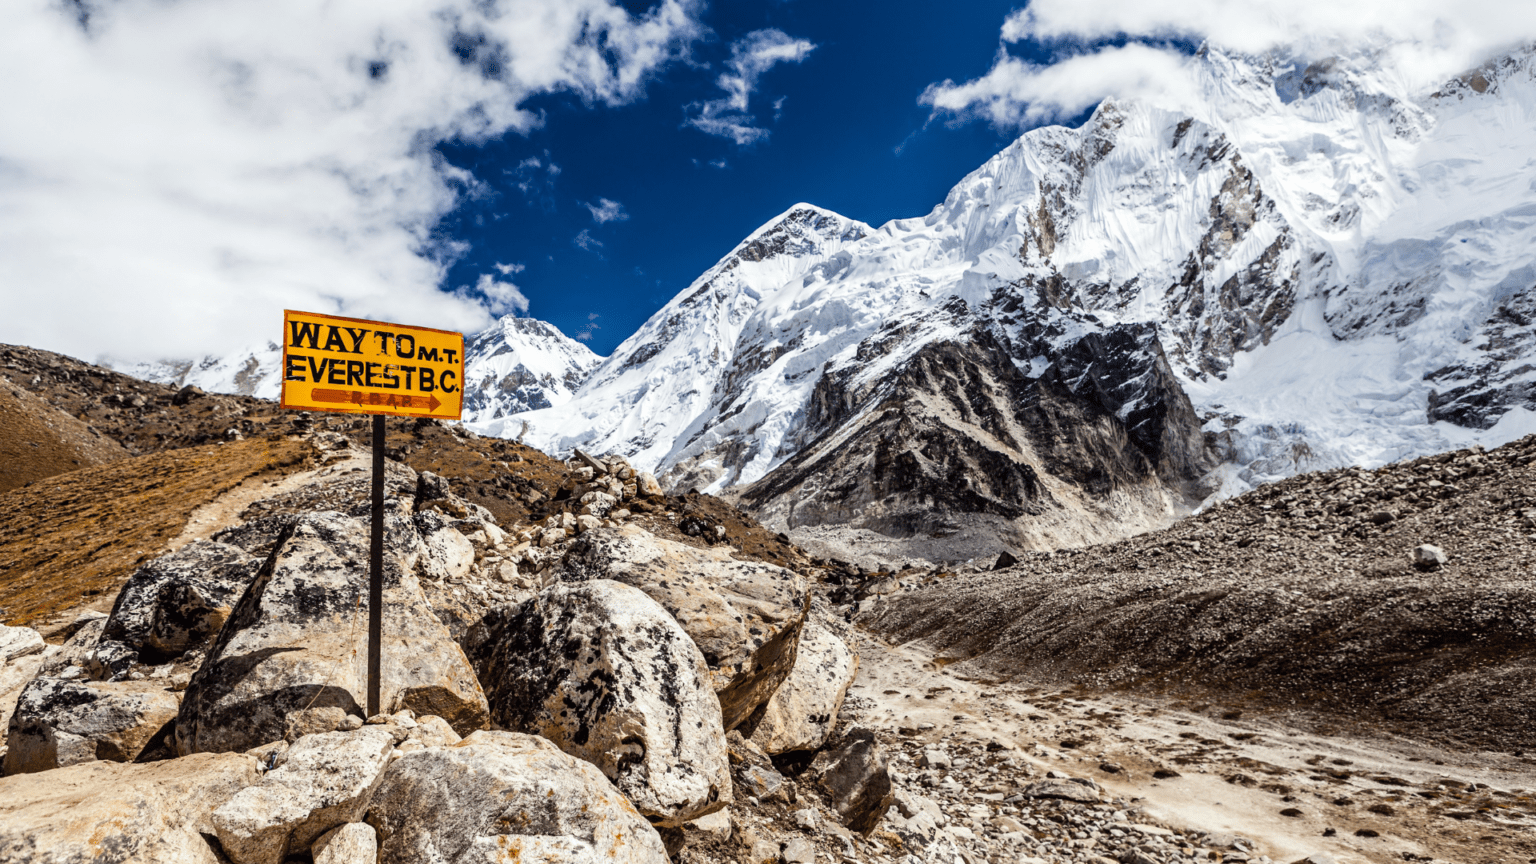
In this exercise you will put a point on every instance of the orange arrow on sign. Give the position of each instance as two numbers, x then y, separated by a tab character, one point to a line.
357	397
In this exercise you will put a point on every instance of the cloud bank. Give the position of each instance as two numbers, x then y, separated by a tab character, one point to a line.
751	56
1424	41
172	175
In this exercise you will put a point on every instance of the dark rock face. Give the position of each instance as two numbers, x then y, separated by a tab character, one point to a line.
1478	393
175	603
1124	371
606	674
853	775
961	431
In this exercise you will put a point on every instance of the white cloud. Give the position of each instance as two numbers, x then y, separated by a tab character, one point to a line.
751	56
1016	93
586	241
172	175
535	178
499	297
1425	41
586	331
606	210
509	269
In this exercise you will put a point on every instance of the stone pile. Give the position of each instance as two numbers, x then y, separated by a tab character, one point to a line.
221	699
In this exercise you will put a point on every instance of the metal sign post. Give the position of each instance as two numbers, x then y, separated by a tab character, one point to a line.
376	569
375	368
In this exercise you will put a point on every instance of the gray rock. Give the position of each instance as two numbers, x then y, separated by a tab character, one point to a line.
753	769
447	553
799	851
16	642
746	617
174	603
61	722
853	775
802	712
1428	557
352	843
646	485
604	672
762	851
298	639
110	812
323	781
501	796
1065	790
760	782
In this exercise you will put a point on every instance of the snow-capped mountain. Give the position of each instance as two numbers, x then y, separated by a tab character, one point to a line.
1331	270
518	364
521	364
252	371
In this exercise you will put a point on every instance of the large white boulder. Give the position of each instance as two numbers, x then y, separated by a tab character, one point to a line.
745	616
299	638
107	811
803	711
604	672
505	797
323	781
16	642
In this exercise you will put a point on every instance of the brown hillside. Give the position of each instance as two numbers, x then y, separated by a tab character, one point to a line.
38	440
80	534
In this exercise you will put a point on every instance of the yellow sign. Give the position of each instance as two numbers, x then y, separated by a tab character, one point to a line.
356	366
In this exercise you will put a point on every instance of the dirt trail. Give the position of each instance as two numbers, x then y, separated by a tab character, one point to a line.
224	511
1235	773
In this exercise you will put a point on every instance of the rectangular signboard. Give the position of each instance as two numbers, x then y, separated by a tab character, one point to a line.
356	366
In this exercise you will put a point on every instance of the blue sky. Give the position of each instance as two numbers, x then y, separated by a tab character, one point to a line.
174	175
850	135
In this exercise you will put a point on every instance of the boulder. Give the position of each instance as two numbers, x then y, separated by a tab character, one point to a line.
853	776
352	843
448	554
753	769
1428	557
1065	790
745	616
16	675
505	797
298	639
17	642
61	722
799	850
604	672
322	781
175	602
105	811
802	712
646	484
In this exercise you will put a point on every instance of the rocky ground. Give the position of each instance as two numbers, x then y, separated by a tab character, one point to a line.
1281	678
1401	599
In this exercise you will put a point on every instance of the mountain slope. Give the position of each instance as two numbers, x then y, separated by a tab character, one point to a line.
521	364
1325	269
